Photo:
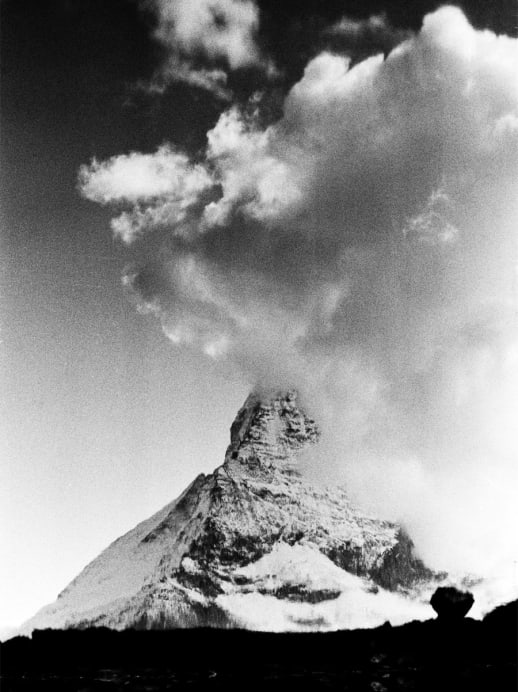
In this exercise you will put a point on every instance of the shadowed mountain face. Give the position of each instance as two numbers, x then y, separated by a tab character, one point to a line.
252	545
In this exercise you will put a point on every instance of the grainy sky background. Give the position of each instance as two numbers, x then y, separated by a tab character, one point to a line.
104	420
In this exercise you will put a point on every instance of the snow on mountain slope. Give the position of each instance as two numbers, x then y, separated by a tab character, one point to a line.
254	544
295	566
296	588
121	570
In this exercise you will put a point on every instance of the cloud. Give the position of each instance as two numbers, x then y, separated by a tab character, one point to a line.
432	225
355	35
218	28
205	39
162	187
363	248
358	27
182	69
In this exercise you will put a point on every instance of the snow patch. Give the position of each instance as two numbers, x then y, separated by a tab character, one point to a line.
297	565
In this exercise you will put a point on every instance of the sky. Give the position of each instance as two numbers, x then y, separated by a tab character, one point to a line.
200	197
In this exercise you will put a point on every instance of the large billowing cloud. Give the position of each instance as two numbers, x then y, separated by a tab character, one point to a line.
362	248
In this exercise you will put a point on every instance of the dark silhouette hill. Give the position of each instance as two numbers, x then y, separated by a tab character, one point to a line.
463	654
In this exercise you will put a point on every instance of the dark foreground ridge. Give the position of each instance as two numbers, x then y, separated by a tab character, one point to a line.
442	654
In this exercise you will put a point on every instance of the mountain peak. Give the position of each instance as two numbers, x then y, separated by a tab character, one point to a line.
254	544
271	430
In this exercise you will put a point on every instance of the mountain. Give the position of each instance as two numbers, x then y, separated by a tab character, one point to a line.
253	545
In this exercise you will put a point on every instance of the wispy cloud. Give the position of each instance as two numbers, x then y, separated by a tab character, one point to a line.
374	30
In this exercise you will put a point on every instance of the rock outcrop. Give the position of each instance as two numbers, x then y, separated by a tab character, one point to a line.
451	604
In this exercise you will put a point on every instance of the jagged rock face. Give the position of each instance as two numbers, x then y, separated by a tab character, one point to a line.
252	545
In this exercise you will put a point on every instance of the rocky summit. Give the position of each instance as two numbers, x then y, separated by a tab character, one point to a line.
252	545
